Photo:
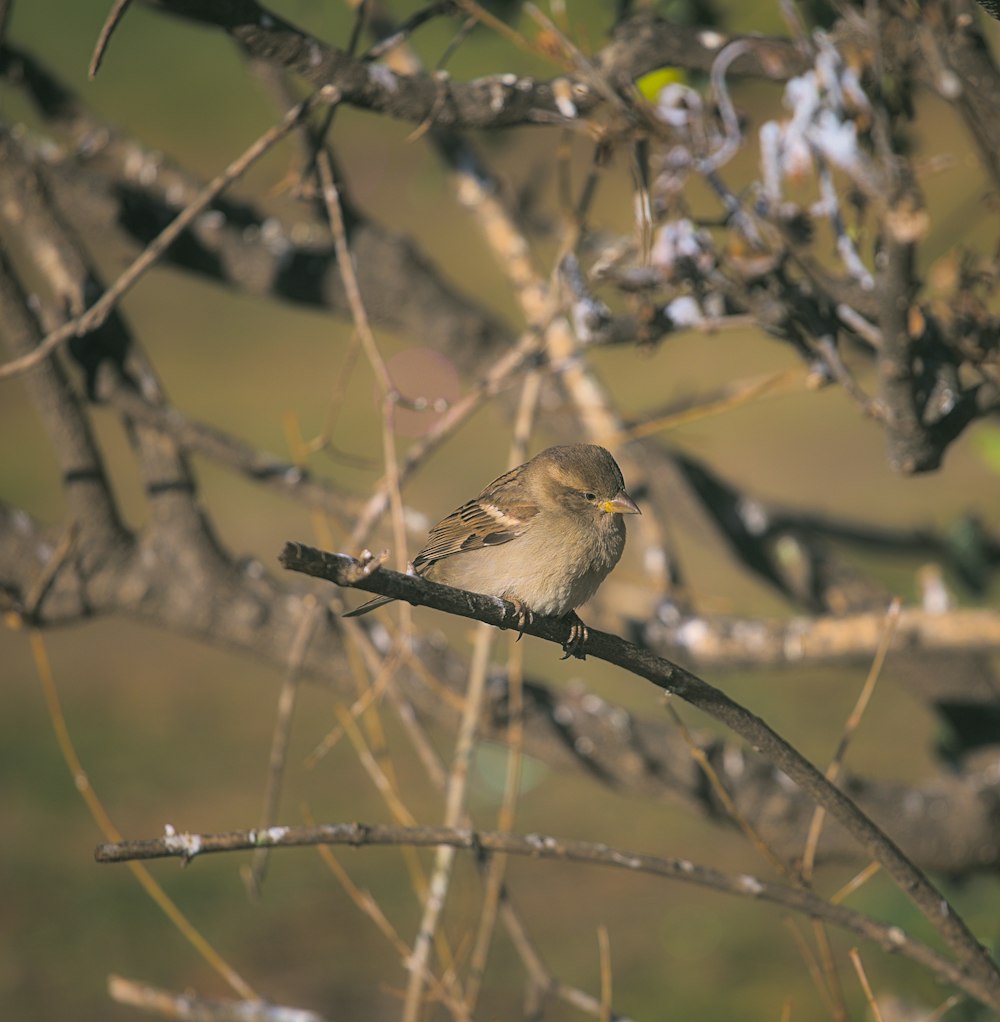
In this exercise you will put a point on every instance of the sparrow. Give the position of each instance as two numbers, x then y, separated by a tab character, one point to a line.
542	536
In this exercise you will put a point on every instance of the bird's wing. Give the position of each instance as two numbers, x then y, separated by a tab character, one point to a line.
496	516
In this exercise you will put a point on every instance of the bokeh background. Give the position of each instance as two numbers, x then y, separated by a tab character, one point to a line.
171	731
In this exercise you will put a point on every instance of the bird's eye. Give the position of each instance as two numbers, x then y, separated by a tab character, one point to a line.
590	496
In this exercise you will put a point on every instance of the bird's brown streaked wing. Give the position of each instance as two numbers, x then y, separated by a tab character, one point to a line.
476	524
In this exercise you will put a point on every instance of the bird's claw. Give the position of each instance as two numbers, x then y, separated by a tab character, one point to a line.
577	639
524	617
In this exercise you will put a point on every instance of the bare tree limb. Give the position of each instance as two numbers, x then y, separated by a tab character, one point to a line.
538	846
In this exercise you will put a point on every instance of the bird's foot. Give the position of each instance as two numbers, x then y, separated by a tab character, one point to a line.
523	614
577	639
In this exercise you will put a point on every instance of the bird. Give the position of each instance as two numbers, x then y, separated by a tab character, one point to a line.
542	536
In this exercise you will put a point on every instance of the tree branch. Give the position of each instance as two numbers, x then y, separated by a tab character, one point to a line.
753	642
537	846
346	571
497	101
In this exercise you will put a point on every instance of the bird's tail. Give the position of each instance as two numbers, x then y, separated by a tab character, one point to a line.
379	601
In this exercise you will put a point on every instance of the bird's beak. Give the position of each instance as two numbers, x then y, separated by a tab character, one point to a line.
621	504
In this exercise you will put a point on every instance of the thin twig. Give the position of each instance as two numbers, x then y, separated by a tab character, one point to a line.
373	691
398	36
497	864
865	985
383	783
188	1007
889	938
261	467
732	810
388	391
732	396
830	975
387	789
338	391
523	426
496	378
311	613
115	15
367	905
454	809
819	815
851	725
345	262
604	951
40	586
389	395
811	963
856	882
382	670
827	348
944	1007
512	922
510	34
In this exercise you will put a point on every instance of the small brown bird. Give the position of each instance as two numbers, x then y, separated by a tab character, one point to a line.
542	536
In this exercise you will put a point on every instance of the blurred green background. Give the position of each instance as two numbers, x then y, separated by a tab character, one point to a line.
173	732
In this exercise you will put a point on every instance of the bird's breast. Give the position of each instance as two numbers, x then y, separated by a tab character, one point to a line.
552	568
